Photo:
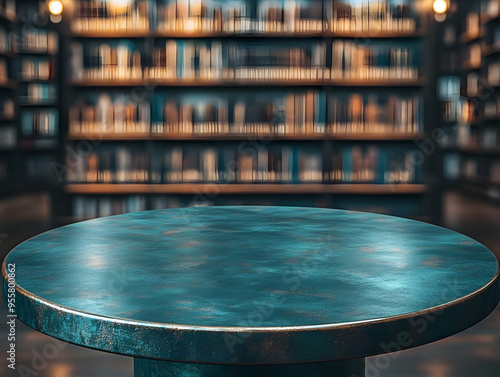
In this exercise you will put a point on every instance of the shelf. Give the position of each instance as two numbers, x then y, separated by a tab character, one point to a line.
480	151
38	104
8	84
481	181
36	81
142	136
7	54
43	53
7	120
133	34
250	188
468	38
491	50
481	120
112	34
248	83
470	67
488	19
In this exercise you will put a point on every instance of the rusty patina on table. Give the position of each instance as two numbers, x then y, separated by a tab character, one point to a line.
252	291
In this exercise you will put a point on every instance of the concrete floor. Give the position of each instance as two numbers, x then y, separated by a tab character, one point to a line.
474	352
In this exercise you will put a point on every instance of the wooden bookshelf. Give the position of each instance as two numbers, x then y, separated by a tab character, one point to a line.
408	83
407	100
143	136
250	188
134	34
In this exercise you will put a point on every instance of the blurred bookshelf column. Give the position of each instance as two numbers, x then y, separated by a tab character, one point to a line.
8	126
310	103
29	107
472	150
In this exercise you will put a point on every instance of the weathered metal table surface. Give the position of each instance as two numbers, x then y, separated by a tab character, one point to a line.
252	291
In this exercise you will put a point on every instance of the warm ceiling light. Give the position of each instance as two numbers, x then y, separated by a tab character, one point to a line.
55	7
440	6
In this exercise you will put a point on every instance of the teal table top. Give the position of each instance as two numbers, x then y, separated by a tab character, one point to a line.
251	284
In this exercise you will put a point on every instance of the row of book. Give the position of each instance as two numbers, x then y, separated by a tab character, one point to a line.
474	168
37	69
369	164
365	61
215	60
245	16
40	123
38	93
30	39
38	40
309	112
373	16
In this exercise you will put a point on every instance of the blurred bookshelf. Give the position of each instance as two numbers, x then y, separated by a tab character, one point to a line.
29	107
163	103
472	146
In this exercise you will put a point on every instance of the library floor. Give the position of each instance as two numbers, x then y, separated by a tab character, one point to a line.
474	352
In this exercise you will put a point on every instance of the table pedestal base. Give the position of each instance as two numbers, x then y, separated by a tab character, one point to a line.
159	368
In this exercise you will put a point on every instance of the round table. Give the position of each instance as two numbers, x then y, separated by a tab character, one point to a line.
252	291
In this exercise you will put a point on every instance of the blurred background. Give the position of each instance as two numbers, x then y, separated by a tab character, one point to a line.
387	106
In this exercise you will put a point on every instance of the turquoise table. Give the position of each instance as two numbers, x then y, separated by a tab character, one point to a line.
252	291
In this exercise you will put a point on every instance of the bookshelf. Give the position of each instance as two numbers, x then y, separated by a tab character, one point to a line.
8	103
317	102
472	149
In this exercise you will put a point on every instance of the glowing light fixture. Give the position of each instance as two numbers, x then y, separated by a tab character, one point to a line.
440	6
55	7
